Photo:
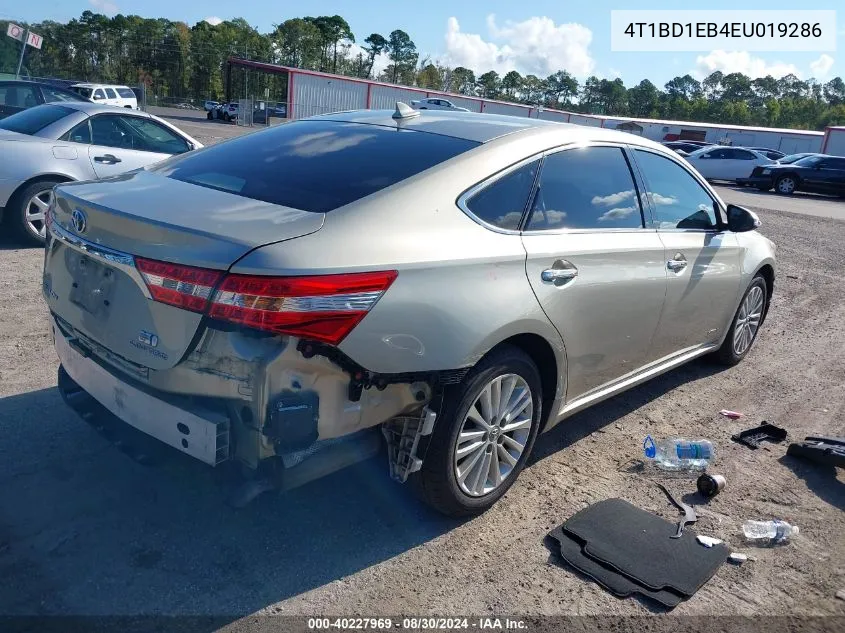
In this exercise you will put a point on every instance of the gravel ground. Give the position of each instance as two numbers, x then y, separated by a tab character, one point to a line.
85	530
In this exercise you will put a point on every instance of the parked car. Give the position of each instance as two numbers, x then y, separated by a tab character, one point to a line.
225	111
119	96
786	160
279	311
16	96
771	154
791	158
686	146
433	103
726	163
210	105
818	173
74	140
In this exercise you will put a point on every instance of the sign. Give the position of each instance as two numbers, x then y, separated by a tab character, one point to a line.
15	32
34	40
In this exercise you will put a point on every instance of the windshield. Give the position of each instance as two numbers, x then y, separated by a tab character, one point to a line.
85	92
787	160
315	165
34	120
808	161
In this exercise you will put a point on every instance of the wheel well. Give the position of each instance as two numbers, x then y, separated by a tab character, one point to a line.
543	356
768	274
791	174
24	185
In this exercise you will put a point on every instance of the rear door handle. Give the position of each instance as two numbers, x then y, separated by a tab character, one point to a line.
559	274
110	159
677	263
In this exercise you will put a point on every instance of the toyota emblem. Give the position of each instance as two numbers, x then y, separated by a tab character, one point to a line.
79	220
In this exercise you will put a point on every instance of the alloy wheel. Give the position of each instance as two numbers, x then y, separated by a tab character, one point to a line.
493	435
786	185
748	320
35	212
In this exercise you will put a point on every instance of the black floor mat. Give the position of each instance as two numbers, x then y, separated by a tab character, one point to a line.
636	543
617	584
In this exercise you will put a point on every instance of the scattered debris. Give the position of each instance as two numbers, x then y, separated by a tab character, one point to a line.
710	485
708	541
737	559
822	450
733	415
841	594
678	454
689	513
792	276
765	432
776	531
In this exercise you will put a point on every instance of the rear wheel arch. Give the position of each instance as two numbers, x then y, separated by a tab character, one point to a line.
542	353
40	178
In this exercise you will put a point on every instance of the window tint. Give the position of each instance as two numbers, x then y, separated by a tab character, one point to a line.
834	163
742	154
111	94
52	95
126	93
589	188
85	92
137	133
18	96
34	120
315	165
677	199
80	134
502	202
98	94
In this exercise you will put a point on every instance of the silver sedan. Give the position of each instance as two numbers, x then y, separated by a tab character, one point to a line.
56	143
449	283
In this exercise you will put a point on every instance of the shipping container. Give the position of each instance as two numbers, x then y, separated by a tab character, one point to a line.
834	141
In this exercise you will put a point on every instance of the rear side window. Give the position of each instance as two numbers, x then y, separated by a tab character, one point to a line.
315	166
126	93
588	188
110	93
34	120
834	163
503	202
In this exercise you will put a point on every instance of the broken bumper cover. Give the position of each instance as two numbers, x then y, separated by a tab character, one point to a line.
204	437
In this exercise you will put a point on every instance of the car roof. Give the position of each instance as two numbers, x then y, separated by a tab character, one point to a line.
88	85
91	108
472	126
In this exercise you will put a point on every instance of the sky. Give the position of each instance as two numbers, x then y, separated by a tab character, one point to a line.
537	37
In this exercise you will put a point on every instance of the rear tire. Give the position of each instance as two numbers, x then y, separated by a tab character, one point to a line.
27	211
454	486
746	324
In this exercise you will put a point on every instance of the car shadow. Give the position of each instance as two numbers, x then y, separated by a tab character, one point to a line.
98	533
10	242
598	416
820	478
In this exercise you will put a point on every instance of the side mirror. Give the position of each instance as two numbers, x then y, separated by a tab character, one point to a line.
741	220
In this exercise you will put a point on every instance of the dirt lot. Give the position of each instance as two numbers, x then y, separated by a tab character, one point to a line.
85	530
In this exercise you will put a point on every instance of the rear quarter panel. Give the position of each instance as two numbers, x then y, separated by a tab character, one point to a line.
25	160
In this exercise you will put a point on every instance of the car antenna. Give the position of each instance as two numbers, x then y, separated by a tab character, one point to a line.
404	111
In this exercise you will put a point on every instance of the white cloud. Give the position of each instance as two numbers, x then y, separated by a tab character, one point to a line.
534	46
379	64
821	67
213	20
104	6
741	62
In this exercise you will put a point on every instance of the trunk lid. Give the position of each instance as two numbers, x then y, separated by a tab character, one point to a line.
90	278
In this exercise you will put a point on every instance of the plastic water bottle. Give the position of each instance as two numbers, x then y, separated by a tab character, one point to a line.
679	454
773	531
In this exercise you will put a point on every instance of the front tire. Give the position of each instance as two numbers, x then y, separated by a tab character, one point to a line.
746	323
484	435
786	185
28	211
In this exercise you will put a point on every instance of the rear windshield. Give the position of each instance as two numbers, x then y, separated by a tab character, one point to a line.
315	166
34	120
126	93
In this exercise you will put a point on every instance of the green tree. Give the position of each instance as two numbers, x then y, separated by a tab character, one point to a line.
561	88
644	99
512	83
463	81
403	54
488	85
376	44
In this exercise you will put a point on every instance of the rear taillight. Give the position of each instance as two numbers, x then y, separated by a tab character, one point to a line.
323	308
182	286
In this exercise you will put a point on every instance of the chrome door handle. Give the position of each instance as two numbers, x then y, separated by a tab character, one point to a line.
677	263
108	158
559	274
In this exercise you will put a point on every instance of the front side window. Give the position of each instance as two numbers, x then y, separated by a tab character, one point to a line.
135	133
587	188
834	163
502	203
677	199
98	94
315	166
